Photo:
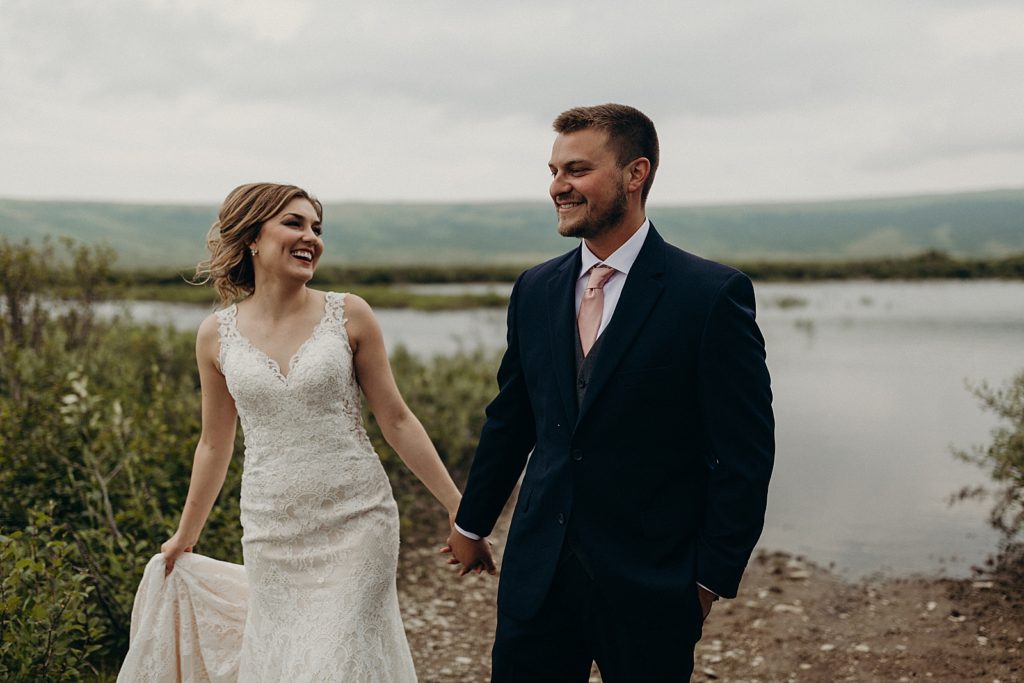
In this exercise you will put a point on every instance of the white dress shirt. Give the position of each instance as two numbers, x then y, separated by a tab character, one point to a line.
621	260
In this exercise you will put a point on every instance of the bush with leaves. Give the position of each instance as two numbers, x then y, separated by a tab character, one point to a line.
99	420
1003	458
49	625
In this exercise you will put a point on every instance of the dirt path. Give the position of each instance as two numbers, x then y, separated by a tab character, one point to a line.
792	621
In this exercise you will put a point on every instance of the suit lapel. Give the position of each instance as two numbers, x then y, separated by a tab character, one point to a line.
562	330
640	293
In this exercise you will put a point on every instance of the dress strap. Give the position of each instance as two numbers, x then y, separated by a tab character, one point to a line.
227	330
227	324
334	316
334	309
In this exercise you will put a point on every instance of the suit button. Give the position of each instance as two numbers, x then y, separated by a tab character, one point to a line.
561	518
577	454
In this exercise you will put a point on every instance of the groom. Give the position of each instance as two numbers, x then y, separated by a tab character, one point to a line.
635	374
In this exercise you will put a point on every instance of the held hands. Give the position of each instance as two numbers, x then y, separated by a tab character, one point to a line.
172	550
472	555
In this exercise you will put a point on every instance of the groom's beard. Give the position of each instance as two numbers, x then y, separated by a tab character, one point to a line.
598	222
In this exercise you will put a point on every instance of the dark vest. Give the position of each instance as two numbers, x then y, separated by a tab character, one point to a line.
585	366
584	370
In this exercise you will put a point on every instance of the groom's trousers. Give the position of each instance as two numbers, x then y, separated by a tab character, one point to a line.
577	625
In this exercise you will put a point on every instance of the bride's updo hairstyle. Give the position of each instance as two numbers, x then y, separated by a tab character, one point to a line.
238	224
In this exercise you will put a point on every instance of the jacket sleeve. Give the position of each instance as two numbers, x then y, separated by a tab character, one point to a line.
736	405
508	436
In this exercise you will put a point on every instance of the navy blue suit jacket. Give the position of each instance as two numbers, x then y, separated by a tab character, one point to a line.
664	466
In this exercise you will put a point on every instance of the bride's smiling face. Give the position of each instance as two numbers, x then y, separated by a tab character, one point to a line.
290	243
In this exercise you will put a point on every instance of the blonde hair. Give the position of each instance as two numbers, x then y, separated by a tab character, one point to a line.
241	216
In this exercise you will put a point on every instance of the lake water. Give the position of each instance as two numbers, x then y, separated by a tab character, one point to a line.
870	398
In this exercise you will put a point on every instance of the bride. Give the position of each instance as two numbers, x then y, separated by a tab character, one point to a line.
316	599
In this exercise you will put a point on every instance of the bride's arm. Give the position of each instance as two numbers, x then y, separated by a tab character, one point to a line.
400	427
213	452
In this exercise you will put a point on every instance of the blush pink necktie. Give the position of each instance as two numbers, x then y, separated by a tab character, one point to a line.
592	306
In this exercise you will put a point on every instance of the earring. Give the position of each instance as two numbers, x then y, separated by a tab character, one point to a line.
254	250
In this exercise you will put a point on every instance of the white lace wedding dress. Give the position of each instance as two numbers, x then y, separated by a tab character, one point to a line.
316	599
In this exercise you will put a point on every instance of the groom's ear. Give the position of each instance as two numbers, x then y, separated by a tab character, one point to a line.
636	173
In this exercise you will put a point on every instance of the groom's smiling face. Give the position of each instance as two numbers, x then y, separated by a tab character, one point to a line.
588	185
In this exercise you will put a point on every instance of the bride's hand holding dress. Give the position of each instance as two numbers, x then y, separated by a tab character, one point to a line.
316	598
172	549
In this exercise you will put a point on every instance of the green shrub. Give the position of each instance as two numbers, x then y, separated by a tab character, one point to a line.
50	627
1003	457
99	420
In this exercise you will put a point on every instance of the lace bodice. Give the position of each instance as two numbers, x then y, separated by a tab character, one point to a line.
319	396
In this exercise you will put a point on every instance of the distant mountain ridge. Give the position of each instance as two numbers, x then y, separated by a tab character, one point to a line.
975	224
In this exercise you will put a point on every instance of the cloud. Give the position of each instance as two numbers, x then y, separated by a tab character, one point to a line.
451	99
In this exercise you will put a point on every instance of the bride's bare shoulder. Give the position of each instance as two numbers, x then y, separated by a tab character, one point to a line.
208	336
360	323
209	327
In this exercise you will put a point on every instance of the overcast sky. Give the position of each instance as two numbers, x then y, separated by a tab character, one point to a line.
179	101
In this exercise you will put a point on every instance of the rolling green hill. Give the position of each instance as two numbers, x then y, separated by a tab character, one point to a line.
977	224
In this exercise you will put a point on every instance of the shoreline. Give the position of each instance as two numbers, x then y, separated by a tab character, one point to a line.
792	621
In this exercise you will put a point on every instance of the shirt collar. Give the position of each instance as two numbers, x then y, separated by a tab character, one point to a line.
622	259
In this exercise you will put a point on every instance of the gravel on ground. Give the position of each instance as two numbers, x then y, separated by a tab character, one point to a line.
792	622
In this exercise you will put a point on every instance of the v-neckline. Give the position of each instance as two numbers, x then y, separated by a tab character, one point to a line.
272	364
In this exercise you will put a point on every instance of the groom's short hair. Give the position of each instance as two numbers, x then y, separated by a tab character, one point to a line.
630	133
